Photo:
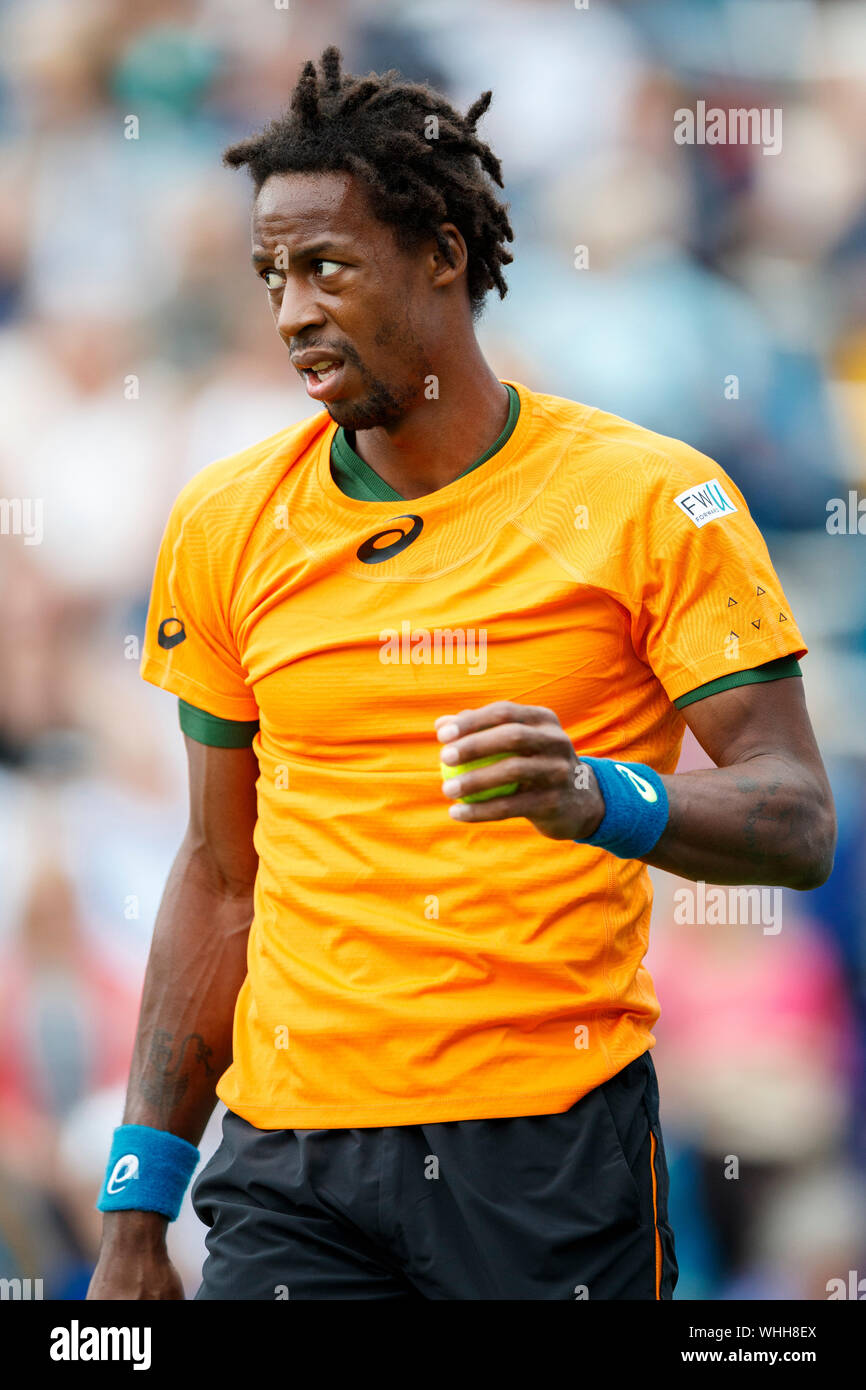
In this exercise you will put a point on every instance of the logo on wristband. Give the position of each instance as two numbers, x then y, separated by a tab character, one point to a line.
124	1170
640	784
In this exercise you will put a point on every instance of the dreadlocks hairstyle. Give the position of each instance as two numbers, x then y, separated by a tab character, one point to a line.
422	162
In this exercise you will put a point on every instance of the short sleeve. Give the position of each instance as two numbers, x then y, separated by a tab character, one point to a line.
188	646
708	602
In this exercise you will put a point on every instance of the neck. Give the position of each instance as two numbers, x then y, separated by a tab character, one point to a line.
438	439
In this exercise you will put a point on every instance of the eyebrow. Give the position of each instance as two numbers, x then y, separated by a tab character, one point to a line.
260	257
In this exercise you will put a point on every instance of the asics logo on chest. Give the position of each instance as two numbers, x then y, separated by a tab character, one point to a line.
371	553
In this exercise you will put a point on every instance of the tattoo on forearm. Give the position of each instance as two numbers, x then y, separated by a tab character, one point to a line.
760	810
164	1085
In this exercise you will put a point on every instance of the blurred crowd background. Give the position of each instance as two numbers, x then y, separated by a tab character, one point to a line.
136	346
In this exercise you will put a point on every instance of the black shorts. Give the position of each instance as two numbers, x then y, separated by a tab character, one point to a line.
567	1206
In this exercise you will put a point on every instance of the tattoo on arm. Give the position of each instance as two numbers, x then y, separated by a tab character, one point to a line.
763	793
164	1085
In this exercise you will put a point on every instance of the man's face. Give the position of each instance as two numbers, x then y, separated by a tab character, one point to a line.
341	290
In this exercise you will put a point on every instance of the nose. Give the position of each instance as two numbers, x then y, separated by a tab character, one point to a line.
297	310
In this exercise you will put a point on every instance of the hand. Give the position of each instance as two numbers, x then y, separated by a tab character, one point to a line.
556	791
133	1259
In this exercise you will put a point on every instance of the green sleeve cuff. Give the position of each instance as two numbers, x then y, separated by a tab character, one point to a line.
216	732
770	671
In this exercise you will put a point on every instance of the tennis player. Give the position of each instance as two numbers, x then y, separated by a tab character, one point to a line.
423	1002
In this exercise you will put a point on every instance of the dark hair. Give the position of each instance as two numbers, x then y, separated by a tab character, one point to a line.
374	127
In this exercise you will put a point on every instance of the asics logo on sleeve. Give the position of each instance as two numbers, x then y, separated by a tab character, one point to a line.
124	1171
168	639
372	554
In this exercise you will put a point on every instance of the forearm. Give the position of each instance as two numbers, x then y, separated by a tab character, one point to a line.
764	814
196	968
752	822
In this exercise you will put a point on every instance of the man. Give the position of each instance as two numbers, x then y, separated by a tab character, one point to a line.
439	1082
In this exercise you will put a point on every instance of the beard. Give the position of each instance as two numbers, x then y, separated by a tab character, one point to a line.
380	405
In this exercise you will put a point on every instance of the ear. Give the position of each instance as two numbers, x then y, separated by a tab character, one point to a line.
441	273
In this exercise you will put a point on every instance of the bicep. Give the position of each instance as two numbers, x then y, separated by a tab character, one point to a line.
750	720
222	810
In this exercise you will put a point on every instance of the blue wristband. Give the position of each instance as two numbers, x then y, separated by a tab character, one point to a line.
636	808
148	1170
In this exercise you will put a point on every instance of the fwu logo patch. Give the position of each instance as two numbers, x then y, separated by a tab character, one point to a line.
705	502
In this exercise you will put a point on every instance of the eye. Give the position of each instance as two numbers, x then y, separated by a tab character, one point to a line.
337	264
273	284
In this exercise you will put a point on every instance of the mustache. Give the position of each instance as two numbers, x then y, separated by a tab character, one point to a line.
346	352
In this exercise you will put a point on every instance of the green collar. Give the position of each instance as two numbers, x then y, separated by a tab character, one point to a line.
357	479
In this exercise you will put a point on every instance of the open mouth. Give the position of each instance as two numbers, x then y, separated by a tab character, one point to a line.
323	370
323	378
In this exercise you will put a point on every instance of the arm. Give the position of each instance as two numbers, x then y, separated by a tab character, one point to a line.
196	967
763	815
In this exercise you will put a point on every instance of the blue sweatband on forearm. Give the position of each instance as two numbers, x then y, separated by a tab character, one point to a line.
148	1170
636	808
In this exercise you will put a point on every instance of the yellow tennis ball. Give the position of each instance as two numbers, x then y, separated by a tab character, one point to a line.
505	790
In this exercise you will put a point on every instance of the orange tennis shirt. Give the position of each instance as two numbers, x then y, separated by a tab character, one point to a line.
404	968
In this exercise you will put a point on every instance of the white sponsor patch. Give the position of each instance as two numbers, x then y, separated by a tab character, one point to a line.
705	502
